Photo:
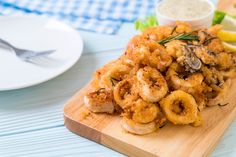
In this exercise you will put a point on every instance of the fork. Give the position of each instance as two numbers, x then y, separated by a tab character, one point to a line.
26	55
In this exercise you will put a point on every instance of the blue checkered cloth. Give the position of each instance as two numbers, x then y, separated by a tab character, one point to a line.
102	16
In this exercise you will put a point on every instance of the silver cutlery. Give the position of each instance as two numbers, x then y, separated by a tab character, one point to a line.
24	54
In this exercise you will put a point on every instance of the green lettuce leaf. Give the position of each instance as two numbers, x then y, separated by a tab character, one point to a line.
149	21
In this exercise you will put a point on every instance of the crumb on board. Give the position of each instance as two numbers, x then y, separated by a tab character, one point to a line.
85	114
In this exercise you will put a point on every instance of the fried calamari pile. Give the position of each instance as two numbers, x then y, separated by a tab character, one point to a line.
167	73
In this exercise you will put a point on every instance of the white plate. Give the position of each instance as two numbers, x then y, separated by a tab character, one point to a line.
36	33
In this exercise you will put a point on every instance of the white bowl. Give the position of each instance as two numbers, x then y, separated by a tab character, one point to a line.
201	22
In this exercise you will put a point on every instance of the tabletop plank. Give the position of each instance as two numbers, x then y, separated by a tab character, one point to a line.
41	106
59	141
226	146
55	142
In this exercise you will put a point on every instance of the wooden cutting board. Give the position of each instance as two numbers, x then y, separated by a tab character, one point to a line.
169	141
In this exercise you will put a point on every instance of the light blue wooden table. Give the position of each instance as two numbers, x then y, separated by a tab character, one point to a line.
31	119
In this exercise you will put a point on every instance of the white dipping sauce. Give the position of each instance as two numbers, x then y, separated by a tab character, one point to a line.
184	9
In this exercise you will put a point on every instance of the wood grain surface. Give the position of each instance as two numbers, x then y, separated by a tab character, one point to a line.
171	140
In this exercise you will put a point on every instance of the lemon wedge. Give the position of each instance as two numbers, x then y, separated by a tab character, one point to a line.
228	36
230	46
228	32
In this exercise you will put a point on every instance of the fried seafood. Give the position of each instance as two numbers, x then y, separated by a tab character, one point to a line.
116	73
160	60
189	59
179	79
157	33
225	61
141	40
125	92
138	128
217	97
100	100
167	73
215	46
204	36
212	77
206	56
229	74
180	107
198	121
200	97
174	48
144	112
100	73
183	27
213	31
213	43
152	85
140	54
142	118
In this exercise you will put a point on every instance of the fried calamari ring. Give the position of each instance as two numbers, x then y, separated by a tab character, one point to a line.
180	107
100	72
144	112
181	82
138	128
152	85
114	75
125	92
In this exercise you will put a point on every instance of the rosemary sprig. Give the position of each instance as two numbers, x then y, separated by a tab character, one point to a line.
180	36
173	30
164	41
